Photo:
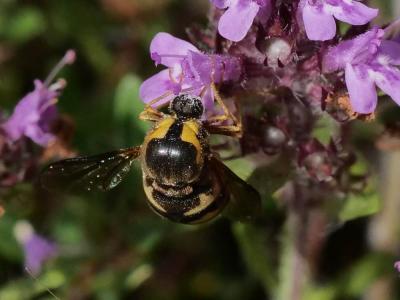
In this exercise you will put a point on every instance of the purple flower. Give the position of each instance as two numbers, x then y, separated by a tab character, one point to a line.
189	70
367	60
318	16
34	114
238	18
37	249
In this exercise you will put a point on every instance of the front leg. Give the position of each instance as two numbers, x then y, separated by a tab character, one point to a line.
213	124
151	114
228	130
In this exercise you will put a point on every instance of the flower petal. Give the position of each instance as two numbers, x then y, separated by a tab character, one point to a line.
222	3
164	44
37	251
388	80
390	50
208	100
38	135
36	110
319	25
361	88
363	47
158	85
237	20
355	13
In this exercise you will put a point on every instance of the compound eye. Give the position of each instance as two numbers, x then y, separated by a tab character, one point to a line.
187	106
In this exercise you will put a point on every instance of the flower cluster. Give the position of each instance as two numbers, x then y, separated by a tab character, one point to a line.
367	60
189	70
34	114
32	119
289	61
318	16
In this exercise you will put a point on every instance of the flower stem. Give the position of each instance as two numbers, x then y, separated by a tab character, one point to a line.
292	264
384	227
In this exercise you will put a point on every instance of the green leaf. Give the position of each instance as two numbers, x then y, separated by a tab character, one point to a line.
363	273
356	206
127	104
325	128
147	232
9	247
253	246
265	173
320	293
49	280
138	276
28	287
242	167
28	23
286	262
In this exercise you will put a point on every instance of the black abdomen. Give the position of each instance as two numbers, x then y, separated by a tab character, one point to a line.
170	160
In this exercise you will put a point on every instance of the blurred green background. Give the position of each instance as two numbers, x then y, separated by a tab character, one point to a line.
112	245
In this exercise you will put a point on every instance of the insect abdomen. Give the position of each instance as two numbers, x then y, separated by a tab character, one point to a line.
191	204
172	162
173	154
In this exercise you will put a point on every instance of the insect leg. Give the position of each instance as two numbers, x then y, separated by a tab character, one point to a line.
213	124
151	114
228	130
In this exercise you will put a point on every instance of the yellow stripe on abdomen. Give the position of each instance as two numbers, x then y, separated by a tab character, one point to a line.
189	134
161	130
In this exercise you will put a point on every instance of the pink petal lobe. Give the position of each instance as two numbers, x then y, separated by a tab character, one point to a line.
391	50
361	88
361	48
319	25
356	13
237	20
388	80
164	44
158	85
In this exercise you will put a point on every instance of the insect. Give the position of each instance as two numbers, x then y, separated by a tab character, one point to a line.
183	179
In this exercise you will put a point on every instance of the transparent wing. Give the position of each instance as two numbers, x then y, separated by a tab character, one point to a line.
245	201
102	172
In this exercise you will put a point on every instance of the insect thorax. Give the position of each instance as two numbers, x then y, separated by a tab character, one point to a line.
174	151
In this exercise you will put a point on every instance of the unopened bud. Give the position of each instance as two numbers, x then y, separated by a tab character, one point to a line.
273	140
278	52
70	57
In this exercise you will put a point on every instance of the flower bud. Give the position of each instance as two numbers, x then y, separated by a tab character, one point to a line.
277	50
273	140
